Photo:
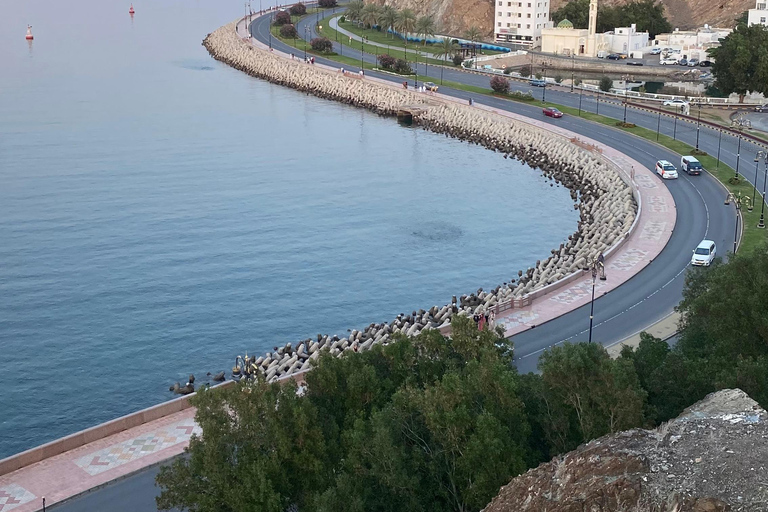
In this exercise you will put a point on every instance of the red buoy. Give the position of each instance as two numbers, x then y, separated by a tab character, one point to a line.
131	11
29	33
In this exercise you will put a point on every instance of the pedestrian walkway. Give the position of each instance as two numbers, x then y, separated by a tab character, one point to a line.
94	464
333	23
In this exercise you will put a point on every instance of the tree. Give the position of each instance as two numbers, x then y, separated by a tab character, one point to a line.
473	34
388	18
355	10
298	9
445	48
499	85
457	59
576	11
321	44
406	22
525	71
282	18
326	3
370	15
288	32
648	15
387	61
741	61
743	19
605	84
425	27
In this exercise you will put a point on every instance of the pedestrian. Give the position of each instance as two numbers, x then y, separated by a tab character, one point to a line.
492	320
481	321
291	56
470	102
476	318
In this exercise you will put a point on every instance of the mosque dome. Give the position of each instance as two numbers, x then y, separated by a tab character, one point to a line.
565	24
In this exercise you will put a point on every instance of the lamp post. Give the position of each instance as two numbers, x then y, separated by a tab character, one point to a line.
761	224
306	37
598	267
737	201
698	125
738	156
658	127
573	65
754	189
362	52
719	142
626	78
581	93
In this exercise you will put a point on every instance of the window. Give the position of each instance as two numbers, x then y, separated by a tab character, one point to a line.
528	25
519	4
519	15
762	19
529	15
509	4
499	3
508	24
509	14
499	24
499	13
529	4
519	26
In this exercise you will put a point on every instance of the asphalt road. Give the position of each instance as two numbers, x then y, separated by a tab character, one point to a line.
626	310
654	292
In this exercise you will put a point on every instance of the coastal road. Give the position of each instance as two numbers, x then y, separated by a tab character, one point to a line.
657	289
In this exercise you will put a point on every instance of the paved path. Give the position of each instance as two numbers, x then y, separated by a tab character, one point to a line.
333	23
92	465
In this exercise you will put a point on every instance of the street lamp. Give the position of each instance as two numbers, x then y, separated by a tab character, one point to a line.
737	201
306	37
626	78
362	51
738	156
764	154
698	125
573	65
597	268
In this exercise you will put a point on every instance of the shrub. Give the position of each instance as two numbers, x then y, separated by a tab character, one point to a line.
525	71
558	79
288	32
538	76
606	83
507	71
342	19
298	9
403	67
457	59
326	3
577	82
282	18
500	85
387	61
321	44
523	96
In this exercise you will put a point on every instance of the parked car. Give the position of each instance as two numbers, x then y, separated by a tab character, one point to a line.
705	63
430	86
552	112
675	103
693	62
704	253
623	55
655	51
668	61
691	165
536	82
613	56
683	62
634	63
762	108
666	170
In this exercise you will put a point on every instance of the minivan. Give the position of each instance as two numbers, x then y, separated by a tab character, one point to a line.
666	170
537	82
691	165
704	254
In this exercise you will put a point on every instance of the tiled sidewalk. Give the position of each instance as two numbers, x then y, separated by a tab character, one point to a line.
97	463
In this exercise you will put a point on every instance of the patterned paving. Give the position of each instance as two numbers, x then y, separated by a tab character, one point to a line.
645	181
12	496
628	259
653	230
658	204
138	447
517	318
578	291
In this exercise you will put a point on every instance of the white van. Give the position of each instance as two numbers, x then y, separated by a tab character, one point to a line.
666	170
704	254
691	165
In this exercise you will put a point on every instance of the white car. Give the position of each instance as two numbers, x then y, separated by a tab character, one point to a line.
704	254
675	103
666	170
668	61
655	51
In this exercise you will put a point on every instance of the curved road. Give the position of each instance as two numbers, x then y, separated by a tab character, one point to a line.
656	290
642	300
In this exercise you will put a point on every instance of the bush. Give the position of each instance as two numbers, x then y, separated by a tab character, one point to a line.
507	71
403	67
387	61
500	85
538	76
457	59
288	32
298	9
577	82
326	3
522	96
321	44
282	18
525	71
342	19
558	79
605	84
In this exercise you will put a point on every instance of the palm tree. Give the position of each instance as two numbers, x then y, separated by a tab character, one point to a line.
425	26
370	15
444	49
355	10
473	34
406	23
388	17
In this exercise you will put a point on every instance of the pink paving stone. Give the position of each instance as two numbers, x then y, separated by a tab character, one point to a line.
97	463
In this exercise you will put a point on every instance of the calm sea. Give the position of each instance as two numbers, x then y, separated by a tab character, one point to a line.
161	213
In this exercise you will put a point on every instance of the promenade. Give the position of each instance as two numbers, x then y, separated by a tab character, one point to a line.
92	464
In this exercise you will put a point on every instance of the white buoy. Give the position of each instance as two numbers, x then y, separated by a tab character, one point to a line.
29	33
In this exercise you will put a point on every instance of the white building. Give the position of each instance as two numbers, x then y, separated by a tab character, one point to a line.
521	22
758	15
627	39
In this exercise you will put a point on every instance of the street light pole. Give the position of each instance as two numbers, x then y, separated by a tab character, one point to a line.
306	36
625	98
754	189
719	142
658	127
598	267
573	65
737	201
761	224
581	93
738	157
698	127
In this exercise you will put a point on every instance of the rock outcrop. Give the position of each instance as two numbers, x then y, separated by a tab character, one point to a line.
712	458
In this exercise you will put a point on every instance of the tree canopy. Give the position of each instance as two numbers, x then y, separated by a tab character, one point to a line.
741	61
648	15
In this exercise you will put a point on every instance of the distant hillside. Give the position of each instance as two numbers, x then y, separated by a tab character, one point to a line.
455	16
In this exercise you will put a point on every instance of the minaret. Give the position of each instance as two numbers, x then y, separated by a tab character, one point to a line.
591	43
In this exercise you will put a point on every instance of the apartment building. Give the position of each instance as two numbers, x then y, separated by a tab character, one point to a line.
521	22
758	15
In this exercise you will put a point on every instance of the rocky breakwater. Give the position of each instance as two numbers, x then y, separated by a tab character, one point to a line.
605	202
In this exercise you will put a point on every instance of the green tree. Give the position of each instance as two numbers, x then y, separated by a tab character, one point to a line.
388	18
445	48
406	22
741	61
743	19
370	15
605	84
355	10
473	34
425	27
576	11
648	15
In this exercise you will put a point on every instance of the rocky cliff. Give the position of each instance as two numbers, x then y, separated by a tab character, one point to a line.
712	458
455	16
